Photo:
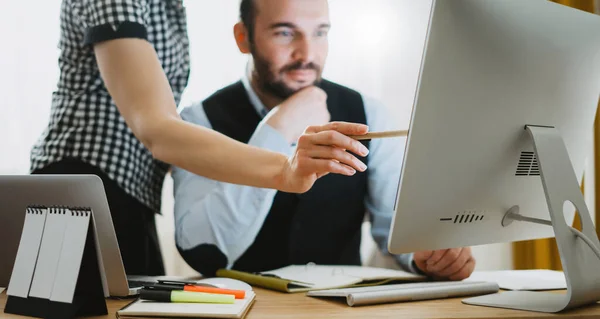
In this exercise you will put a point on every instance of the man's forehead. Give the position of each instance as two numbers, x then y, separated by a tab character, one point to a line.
299	11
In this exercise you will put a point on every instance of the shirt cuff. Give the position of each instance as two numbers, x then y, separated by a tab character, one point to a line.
112	19
106	32
267	137
407	262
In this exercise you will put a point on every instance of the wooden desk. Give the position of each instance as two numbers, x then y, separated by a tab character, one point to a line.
270	304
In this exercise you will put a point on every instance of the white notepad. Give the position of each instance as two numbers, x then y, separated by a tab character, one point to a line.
145	308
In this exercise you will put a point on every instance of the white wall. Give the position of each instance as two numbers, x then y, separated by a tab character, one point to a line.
375	48
28	75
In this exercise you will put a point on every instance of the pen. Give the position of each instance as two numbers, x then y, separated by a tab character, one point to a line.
173	285
372	135
185	296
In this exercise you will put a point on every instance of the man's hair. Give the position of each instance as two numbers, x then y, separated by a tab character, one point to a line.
248	16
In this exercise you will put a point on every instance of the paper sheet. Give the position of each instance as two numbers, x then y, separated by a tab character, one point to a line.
537	279
49	254
71	255
1	290
325	276
29	246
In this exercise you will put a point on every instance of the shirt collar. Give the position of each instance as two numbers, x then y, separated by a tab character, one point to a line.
258	105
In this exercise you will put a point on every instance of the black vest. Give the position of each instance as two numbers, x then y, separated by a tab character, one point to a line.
322	225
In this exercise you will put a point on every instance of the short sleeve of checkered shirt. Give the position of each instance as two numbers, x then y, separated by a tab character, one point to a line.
113	19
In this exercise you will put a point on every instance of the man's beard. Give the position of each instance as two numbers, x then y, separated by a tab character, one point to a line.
273	83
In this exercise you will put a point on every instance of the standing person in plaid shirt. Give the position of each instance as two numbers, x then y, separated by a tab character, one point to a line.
123	67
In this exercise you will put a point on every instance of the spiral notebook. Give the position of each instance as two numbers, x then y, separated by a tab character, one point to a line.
58	268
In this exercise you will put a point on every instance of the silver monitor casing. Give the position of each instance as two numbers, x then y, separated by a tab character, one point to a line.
503	122
490	68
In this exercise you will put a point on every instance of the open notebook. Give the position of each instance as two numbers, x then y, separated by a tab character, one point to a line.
297	278
145	308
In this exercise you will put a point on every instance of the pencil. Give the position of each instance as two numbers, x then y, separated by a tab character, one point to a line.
372	135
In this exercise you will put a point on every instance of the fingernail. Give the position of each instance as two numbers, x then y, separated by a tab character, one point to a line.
362	166
351	171
363	150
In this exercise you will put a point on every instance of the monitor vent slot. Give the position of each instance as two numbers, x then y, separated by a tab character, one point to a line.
463	218
528	165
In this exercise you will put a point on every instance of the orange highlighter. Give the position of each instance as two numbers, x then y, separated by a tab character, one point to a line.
189	286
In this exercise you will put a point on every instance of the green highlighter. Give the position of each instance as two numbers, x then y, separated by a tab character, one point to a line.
185	296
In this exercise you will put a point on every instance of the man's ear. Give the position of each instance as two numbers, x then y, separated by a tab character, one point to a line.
241	37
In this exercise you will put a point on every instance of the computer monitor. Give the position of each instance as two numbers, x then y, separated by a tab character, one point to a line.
495	77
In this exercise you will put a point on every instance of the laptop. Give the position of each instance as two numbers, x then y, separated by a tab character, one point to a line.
19	191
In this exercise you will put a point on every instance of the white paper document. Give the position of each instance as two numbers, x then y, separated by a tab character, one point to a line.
326	276
536	279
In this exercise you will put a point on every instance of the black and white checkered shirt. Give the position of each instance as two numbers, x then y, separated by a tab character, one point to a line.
84	121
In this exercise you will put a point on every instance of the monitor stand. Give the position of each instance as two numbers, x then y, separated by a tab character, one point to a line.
580	263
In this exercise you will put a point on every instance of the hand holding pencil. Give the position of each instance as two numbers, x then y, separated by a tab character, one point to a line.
383	134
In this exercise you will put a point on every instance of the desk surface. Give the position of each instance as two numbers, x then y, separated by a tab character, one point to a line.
270	304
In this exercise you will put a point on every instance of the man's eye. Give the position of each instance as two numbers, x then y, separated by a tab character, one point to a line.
283	34
321	33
